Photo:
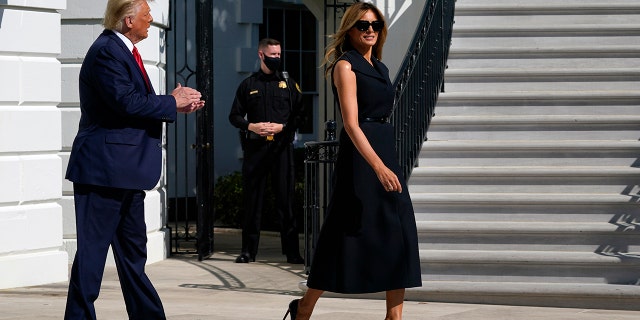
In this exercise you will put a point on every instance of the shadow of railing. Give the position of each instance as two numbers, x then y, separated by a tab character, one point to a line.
627	224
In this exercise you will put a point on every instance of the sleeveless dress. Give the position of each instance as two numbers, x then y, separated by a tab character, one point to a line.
368	241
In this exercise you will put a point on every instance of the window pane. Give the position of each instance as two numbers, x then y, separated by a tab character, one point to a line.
295	27
307	122
308	28
292	29
262	30
275	25
308	78
293	66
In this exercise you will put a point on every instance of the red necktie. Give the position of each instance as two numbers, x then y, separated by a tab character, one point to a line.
136	55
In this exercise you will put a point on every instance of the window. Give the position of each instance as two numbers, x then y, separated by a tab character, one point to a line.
296	29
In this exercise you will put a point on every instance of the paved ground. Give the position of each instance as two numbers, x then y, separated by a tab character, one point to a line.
220	289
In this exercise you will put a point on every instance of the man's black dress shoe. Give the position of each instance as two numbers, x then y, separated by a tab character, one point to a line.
295	259
244	258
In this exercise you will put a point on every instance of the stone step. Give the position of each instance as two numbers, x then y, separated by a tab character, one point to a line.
515	159
506	208
518	157
531	266
535	127
610	235
512	47
532	146
542	185
592	21
547	27
544	131
490	172
577	213
528	158
546	7
543	65
568	186
467	207
571	122
548	74
541	87
557	43
582	112
566	295
512	179
421	199
582	242
550	97
526	189
530	258
631	227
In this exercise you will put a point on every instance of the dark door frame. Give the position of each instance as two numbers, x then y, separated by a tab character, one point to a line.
191	216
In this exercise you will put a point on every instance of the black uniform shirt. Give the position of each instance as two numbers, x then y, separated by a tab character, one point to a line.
266	98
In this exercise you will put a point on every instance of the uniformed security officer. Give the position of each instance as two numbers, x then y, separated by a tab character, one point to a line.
267	111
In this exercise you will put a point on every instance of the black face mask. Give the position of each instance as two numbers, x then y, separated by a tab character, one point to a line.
272	63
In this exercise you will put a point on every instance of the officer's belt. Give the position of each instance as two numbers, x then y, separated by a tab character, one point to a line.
254	136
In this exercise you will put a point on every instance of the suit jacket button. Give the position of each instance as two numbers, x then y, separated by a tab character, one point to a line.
159	145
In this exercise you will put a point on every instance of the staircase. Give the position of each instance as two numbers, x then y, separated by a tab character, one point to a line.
527	190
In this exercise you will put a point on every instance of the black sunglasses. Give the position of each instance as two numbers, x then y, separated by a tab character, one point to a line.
363	25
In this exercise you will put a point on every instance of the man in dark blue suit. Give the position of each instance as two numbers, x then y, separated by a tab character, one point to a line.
116	155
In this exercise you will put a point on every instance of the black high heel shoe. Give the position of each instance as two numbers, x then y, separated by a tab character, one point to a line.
293	309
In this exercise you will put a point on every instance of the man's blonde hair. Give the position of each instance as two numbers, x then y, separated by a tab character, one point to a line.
117	10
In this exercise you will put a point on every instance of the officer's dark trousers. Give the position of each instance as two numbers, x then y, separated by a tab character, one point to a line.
262	158
111	216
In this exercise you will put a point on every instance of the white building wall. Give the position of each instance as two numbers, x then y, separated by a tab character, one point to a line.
30	175
81	25
39	113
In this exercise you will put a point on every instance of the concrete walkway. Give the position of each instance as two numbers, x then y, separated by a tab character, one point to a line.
218	288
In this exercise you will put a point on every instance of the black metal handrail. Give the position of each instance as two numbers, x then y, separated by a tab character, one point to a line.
417	86
420	81
319	161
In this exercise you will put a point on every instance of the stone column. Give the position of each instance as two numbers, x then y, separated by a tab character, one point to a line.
30	168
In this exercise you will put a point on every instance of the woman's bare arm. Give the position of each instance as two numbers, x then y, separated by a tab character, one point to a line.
345	81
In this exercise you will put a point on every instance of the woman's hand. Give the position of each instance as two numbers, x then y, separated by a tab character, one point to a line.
389	180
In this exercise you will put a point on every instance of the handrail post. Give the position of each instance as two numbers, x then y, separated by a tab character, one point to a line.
319	162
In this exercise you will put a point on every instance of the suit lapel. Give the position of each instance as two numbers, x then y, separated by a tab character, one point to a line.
130	60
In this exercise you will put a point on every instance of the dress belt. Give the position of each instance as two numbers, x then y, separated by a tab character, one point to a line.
379	119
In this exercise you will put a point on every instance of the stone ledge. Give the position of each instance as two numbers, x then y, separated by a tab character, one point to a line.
527	227
506	257
529	171
591	296
522	198
531	145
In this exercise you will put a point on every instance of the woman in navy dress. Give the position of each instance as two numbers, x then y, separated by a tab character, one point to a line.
368	242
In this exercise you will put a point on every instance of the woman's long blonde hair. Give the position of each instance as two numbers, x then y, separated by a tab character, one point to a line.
341	42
